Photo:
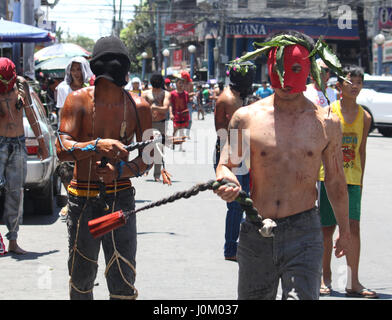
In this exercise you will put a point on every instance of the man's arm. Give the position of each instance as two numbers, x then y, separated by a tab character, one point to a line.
220	117
137	166
31	116
232	156
171	115
335	183
362	149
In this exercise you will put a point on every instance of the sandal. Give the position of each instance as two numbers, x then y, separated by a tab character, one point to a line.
364	293
325	290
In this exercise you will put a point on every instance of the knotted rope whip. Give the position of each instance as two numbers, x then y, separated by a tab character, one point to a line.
140	145
100	226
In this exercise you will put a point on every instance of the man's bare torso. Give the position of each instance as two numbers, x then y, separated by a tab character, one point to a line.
11	119
104	121
157	99
226	105
285	155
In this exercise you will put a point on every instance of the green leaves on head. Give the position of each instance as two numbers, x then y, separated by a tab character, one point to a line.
281	41
280	64
315	71
252	55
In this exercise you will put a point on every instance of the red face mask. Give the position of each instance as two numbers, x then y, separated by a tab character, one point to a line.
7	75
294	54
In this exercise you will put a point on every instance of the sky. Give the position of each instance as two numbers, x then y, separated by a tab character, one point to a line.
89	18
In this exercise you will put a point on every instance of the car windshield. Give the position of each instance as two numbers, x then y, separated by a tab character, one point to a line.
378	85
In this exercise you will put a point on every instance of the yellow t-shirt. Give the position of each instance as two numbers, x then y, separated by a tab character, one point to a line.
352	138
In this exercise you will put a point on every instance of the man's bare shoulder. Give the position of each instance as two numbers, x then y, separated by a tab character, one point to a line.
242	116
260	106
329	120
141	103
79	98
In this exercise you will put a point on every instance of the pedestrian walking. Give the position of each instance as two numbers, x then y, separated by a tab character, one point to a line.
14	100
159	100
229	101
287	137
178	109
355	122
98	122
264	91
77	76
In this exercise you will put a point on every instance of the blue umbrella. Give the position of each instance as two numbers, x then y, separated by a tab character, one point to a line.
19	32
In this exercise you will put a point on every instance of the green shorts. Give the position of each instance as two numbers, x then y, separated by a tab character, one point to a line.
326	213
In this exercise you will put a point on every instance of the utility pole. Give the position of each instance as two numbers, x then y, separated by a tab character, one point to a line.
119	24
114	18
221	40
28	48
154	47
363	39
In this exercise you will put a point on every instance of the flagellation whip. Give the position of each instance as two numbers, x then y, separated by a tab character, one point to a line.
100	226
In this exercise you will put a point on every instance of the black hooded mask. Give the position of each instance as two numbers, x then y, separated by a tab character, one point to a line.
110	60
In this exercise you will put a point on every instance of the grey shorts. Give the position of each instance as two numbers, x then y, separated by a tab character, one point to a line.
293	256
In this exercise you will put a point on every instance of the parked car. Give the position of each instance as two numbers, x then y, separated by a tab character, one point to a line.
376	98
42	181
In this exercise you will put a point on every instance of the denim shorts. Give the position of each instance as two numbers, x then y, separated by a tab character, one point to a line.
293	256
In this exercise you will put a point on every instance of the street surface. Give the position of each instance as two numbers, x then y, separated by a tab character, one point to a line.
180	245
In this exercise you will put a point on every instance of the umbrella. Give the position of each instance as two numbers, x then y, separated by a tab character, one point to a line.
60	50
19	32
54	67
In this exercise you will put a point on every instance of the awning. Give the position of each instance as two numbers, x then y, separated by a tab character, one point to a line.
19	32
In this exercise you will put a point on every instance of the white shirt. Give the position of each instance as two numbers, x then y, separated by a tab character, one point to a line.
63	90
317	97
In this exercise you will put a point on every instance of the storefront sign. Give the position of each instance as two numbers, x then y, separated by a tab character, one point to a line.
179	29
260	28
246	29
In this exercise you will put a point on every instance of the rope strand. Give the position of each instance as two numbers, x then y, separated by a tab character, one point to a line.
245	202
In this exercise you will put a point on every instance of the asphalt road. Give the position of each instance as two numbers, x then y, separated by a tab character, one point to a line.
180	245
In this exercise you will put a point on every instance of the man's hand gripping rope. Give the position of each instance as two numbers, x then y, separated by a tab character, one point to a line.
140	145
100	226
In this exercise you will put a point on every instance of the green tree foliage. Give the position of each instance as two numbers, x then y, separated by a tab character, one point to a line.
139	36
82	41
59	34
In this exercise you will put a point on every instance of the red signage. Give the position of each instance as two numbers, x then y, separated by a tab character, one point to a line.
179	29
177	58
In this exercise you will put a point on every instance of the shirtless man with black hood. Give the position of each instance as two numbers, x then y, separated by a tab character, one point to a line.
98	122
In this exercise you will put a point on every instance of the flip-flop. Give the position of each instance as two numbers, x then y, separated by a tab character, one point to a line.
325	290
364	293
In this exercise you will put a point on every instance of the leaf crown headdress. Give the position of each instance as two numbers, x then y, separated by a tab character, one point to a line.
281	41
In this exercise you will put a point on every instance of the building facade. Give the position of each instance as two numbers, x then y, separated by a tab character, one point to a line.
249	21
